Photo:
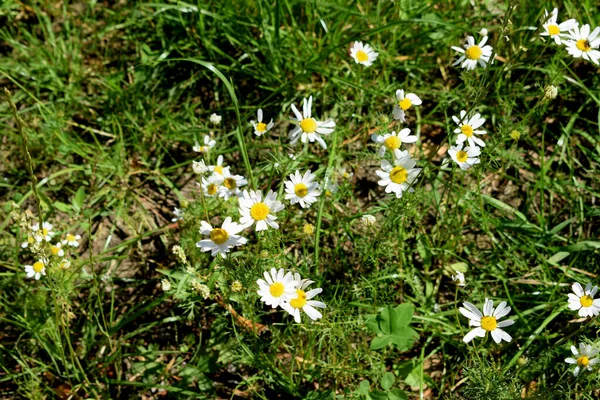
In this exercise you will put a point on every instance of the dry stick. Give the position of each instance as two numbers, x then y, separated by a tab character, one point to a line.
28	160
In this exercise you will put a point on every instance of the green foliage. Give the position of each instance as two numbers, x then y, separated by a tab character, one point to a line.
111	101
391	327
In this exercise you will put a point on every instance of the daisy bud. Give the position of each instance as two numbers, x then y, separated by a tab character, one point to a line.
515	134
308	229
201	288
483	32
236	286
550	92
199	167
165	284
178	251
368	220
215	119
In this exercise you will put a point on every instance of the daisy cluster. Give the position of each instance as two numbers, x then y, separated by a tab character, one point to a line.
290	292
580	41
46	251
259	210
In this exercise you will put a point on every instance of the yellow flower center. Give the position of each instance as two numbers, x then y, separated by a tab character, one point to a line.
586	301
261	127
405	103
489	323
55	250
299	301
392	143
259	211
44	231
583	361
219	236
515	134
211	189
467	130
300	189
553	30
30	239
219	169
38	266
308	125
361	56
276	289
473	52
461	156
230	183
308	229
583	45
399	174
70	238
203	149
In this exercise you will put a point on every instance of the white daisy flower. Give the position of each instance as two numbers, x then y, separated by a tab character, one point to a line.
583	300
221	239
215	119
393	141
398	178
584	358
555	30
199	167
36	270
459	278
488	321
302	189
363	54
473	53
465	158
208	144
260	128
331	188
254	209
44	234
72	240
178	213
230	184
31	240
210	187
404	103
218	170
582	43
56	250
467	128
165	284
302	301
277	287
308	128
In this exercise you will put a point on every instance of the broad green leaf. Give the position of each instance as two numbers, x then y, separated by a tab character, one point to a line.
459	266
404	314
378	395
404	338
385	320
380	342
387	381
364	387
397	394
62	207
373	325
79	198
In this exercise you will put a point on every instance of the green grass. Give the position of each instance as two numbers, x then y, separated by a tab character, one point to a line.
112	100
